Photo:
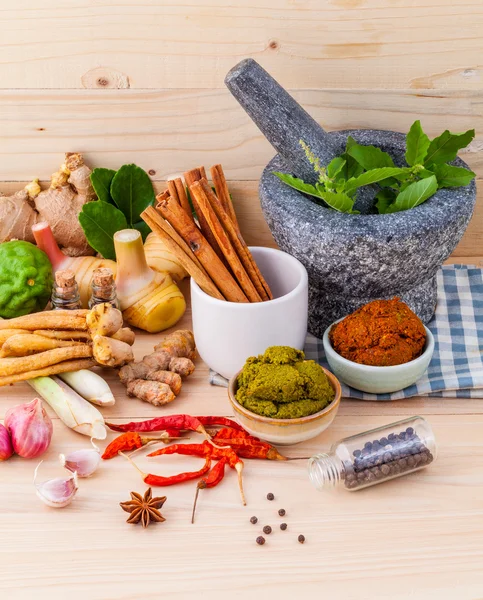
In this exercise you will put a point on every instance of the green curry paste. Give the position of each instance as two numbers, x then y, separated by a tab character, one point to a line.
281	384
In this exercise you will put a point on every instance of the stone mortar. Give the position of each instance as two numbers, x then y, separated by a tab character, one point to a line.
353	259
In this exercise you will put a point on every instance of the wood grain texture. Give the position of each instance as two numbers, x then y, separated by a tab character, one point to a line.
415	537
166	132
304	43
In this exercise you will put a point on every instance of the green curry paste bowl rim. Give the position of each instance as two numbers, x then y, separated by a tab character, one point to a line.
333	406
428	349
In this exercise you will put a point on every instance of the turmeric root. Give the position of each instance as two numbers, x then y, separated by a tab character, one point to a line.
104	320
171	379
25	345
153	392
179	343
14	366
125	334
110	352
52	319
63	367
165	367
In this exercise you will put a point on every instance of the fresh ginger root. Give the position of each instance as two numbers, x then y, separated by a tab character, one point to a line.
18	214
104	320
154	392
61	204
166	366
125	334
110	352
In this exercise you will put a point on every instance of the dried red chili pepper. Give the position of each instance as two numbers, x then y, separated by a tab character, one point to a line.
211	480
161	481
207	449
170	422
210	420
248	446
132	441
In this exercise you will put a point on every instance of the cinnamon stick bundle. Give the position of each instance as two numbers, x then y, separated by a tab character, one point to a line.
238	243
198	191
186	259
211	249
212	264
190	178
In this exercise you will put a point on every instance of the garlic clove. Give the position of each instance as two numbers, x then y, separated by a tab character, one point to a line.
83	462
58	492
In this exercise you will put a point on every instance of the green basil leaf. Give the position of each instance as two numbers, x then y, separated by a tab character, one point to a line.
444	148
372	176
417	144
414	195
101	182
100	221
384	200
449	176
338	201
132	191
349	143
297	183
335	166
370	157
143	228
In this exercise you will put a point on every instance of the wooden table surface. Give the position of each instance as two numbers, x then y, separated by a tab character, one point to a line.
417	537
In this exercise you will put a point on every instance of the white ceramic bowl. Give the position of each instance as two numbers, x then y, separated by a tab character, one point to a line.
378	380
227	333
286	431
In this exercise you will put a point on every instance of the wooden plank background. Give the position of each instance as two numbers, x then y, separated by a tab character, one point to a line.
125	82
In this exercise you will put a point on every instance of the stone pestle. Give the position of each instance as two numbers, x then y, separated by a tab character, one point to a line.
280	118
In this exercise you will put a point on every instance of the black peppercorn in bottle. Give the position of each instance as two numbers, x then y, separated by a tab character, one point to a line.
375	456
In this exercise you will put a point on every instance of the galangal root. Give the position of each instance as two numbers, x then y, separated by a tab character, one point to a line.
157	378
46	343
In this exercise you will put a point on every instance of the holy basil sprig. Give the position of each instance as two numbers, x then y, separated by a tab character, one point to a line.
401	188
122	197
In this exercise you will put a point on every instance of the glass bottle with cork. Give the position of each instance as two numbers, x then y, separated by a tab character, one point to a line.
103	288
65	293
375	456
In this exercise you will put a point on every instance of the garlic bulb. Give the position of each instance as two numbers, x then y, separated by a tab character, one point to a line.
6	448
30	428
82	462
58	492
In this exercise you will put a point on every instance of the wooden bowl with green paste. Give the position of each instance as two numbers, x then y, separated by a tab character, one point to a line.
282	398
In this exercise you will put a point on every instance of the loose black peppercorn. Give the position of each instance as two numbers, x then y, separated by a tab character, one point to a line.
267	529
270	496
281	512
254	520
301	539
260	540
283	526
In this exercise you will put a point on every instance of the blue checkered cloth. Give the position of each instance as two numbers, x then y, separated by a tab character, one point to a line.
456	369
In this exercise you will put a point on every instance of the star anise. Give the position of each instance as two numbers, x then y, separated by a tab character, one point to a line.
144	509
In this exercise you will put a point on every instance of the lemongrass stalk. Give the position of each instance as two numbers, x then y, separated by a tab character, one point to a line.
72	409
133	274
90	386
